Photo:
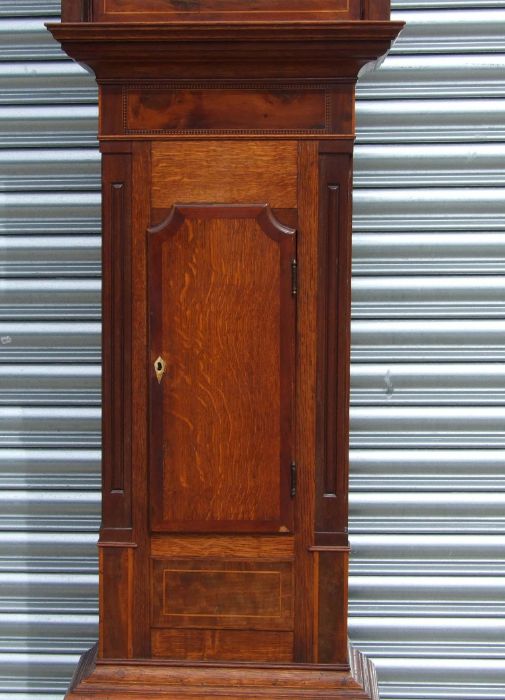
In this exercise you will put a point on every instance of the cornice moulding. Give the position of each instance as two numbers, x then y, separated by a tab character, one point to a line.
227	50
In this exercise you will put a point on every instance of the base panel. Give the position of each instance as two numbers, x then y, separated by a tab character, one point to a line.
125	680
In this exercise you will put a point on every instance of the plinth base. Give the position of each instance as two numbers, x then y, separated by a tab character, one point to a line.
157	680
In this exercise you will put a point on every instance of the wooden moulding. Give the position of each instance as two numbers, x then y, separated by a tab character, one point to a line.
116	302
307	51
155	680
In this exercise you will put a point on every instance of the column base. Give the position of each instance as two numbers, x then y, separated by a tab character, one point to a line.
167	680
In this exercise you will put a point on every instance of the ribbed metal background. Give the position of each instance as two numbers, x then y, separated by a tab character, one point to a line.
428	475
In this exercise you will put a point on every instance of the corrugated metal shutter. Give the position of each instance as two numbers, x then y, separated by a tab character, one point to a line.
49	356
428	482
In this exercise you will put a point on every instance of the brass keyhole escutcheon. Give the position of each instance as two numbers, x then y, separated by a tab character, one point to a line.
160	368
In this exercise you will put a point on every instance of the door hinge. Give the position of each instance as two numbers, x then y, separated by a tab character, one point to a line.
294	277
294	479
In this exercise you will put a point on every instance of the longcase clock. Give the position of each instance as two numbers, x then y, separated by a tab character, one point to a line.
227	130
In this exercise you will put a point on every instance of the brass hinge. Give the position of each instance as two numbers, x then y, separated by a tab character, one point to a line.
294	278
294	479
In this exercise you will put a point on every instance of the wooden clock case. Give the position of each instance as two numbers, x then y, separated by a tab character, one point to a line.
227	131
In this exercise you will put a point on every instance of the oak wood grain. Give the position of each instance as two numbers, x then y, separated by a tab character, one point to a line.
116	601
165	680
222	645
236	546
332	594
223	321
141	213
225	172
306	374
